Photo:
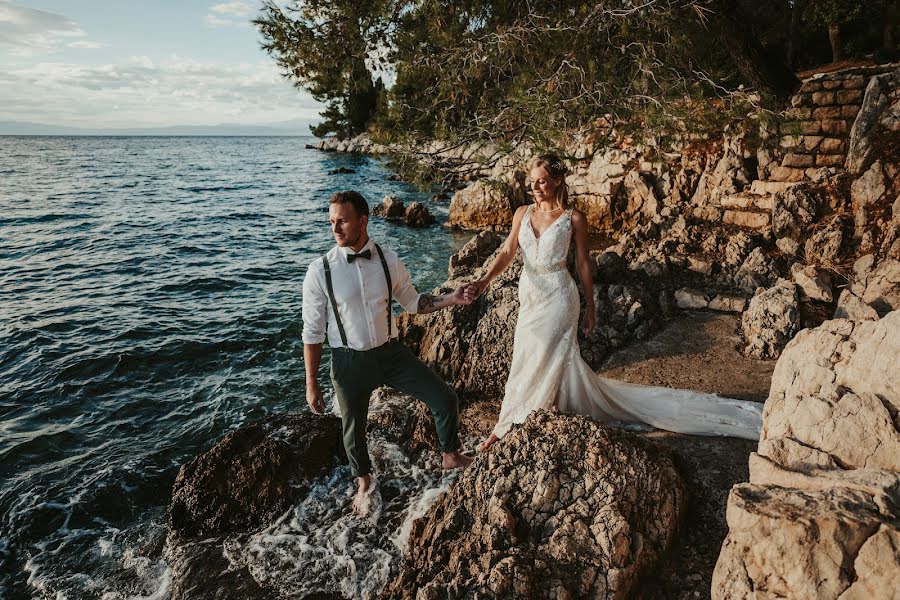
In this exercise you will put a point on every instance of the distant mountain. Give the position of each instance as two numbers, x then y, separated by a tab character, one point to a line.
296	127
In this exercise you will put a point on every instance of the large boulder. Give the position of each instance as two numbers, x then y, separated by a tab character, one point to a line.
244	482
836	389
819	517
487	205
875	100
877	284
771	320
561	508
253	474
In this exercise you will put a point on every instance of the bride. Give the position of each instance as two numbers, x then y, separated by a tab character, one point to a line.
547	369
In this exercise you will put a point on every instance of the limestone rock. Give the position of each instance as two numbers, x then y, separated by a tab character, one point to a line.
690	298
771	320
835	389
794	210
864	192
784	544
484	205
814	284
562	507
787	246
878	286
874	102
824	246
849	306
728	303
756	271
471	256
819	518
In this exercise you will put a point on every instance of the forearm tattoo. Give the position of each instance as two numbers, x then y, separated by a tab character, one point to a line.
427	301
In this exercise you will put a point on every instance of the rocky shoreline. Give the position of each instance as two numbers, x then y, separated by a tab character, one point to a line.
769	243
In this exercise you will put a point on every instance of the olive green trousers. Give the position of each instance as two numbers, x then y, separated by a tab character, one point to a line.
355	374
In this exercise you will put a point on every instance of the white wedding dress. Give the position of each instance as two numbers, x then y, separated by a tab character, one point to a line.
547	369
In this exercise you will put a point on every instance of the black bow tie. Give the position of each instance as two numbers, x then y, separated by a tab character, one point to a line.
363	254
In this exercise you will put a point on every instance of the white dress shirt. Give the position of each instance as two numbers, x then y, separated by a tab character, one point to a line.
360	290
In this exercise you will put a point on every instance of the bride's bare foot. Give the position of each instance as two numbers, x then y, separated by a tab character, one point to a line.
486	444
362	502
455	460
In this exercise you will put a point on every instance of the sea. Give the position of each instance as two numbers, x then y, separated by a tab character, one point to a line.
150	303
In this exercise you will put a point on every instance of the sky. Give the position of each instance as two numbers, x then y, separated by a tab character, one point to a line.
140	63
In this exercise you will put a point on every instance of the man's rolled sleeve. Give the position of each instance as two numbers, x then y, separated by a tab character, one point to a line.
404	291
315	305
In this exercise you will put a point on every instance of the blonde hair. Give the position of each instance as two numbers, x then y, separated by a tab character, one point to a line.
557	170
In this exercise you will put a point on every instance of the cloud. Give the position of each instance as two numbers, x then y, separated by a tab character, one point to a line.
141	92
29	31
216	21
228	14
237	9
87	44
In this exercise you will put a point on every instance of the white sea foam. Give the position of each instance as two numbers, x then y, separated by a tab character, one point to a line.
321	546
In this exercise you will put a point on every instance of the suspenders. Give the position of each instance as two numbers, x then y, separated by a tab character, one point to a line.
337	315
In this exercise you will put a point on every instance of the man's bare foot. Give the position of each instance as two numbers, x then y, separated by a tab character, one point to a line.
455	460
486	444
362	502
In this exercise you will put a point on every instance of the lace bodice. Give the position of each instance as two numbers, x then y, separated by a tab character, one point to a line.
548	252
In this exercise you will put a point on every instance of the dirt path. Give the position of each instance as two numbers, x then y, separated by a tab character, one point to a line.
697	350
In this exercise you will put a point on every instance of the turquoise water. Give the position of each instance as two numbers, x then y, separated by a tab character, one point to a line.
150	294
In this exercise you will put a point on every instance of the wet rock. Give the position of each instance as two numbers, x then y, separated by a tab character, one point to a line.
392	209
244	482
418	216
771	320
562	507
253	474
341	171
813	283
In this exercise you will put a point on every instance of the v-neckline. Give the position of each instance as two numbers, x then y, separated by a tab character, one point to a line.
546	229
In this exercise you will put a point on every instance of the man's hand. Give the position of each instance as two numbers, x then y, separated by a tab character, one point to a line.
314	398
464	295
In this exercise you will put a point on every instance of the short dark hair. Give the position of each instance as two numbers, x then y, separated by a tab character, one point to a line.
353	198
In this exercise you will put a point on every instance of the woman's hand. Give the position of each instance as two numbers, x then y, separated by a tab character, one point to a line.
589	322
476	288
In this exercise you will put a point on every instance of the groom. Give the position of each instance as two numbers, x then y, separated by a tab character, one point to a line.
347	295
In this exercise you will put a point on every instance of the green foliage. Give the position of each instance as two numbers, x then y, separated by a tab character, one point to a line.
507	71
324	47
825	12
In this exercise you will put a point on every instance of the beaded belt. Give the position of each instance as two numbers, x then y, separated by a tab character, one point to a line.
544	269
